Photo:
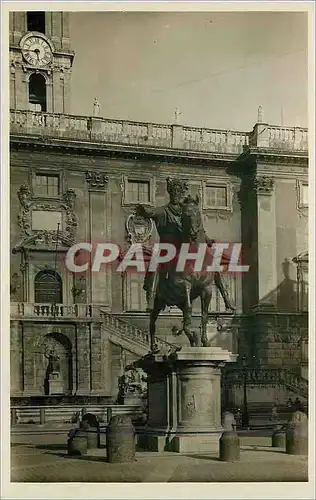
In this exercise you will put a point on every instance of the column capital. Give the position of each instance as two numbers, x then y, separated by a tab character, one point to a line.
264	185
96	180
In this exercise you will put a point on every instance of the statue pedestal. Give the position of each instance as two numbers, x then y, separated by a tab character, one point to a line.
184	399
55	384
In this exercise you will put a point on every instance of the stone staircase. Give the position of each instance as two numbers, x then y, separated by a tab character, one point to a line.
130	336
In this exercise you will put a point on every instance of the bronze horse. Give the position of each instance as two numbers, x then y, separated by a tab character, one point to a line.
176	288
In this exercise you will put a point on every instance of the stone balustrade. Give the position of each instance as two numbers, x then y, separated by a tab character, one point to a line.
29	310
264	376
155	135
280	138
128	330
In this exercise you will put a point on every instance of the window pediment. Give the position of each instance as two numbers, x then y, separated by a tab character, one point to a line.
44	240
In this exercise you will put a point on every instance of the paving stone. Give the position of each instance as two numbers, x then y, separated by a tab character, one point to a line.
47	461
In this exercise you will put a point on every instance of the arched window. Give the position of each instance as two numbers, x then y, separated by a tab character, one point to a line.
37	92
36	22
48	288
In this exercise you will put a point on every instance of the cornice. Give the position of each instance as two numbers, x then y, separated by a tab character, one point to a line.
107	149
219	160
270	155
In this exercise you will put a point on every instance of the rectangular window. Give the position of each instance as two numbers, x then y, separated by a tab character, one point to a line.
216	197
47	185
36	21
138	191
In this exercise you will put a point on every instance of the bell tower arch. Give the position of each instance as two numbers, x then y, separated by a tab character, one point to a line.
40	61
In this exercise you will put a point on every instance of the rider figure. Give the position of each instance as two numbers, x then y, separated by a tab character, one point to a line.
168	220
168	224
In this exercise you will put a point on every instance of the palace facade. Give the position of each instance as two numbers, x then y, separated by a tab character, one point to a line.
78	178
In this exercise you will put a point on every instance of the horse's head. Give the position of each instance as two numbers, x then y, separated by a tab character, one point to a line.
191	218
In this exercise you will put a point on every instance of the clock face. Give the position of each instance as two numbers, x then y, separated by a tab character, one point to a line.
36	51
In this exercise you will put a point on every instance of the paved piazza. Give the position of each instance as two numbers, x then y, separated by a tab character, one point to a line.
43	458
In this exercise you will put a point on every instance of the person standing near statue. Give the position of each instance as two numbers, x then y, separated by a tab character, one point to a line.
168	220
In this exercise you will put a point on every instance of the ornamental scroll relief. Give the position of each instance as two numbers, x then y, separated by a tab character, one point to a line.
63	206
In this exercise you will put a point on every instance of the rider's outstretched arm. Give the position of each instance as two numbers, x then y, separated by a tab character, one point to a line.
154	213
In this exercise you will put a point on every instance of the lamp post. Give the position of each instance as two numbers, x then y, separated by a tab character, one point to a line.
245	413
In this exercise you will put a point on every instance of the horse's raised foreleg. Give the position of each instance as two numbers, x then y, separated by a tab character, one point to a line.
152	322
205	303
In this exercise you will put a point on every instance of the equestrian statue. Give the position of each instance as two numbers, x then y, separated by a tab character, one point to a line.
179	222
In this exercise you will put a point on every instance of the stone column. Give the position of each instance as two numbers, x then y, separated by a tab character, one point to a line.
65	31
16	373
100	232
83	366
19	21
266	244
56	29
12	87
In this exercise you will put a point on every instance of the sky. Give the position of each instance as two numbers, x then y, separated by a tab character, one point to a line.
215	67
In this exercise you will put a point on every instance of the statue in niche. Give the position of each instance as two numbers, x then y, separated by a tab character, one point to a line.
53	368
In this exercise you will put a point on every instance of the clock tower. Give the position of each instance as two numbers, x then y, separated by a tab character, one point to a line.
40	61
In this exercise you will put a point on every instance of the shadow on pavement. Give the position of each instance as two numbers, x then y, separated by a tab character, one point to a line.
51	446
202	457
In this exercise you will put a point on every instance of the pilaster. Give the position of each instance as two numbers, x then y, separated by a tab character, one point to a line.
100	231
83	367
32	363
266	243
16	373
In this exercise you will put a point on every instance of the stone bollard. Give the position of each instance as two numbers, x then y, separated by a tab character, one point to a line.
109	413
229	447
78	441
229	443
120	440
14	417
297	434
278	437
42	416
93	430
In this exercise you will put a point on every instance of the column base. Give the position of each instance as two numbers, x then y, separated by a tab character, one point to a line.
195	443
180	443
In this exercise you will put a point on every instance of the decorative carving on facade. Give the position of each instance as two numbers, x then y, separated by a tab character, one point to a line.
264	185
65	206
97	180
24	267
139	230
218	214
